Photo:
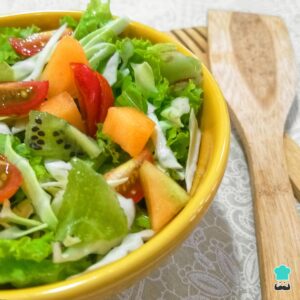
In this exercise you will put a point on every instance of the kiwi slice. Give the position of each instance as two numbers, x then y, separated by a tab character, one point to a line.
51	137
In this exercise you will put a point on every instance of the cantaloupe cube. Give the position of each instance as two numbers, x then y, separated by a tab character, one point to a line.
164	197
64	106
58	71
129	128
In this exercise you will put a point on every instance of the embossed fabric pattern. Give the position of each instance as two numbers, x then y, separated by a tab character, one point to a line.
219	259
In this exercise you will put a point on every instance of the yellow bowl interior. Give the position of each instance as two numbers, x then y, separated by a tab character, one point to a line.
214	150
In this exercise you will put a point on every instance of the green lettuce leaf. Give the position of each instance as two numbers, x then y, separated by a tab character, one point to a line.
178	108
25	273
190	90
90	209
131	96
163	96
70	21
18	197
7	53
36	162
165	61
141	220
126	50
95	16
27	262
34	249
178	140
144	78
144	82
157	63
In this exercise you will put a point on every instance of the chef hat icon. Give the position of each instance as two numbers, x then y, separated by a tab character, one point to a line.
282	272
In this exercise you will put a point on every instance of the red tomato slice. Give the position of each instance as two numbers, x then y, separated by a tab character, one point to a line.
18	98
107	97
88	87
10	179
132	188
96	95
34	43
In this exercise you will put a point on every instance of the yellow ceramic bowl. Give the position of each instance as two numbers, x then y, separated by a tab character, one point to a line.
214	150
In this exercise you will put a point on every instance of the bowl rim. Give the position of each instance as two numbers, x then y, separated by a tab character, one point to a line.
156	248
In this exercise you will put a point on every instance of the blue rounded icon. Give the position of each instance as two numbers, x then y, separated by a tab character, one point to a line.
282	272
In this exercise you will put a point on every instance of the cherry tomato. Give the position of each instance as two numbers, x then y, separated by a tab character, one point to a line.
10	179
34	43
132	188
96	95
88	87
18	98
107	97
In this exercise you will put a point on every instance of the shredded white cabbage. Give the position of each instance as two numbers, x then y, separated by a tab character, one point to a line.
179	106
116	26
104	50
128	207
71	241
13	232
4	129
165	125
96	48
77	252
111	68
45	54
164	154
116	182
194	147
130	243
23	68
57	201
58	169
8	216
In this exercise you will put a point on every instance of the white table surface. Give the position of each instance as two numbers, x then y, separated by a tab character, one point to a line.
219	259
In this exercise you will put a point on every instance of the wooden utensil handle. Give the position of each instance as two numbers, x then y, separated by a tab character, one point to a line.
278	224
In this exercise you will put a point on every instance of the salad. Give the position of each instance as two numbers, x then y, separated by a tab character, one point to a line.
99	143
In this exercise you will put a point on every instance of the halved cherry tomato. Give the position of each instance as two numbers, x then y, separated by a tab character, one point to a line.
18	98
132	188
107	97
96	95
10	179
34	43
88	87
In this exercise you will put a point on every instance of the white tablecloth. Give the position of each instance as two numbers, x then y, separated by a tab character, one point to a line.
219	259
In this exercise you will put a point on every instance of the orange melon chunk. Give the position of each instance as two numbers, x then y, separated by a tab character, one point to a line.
129	128
64	106
164	197
58	71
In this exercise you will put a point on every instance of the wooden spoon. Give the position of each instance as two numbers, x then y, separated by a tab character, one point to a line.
195	39
252	59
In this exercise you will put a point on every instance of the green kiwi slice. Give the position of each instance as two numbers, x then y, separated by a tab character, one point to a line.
51	137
